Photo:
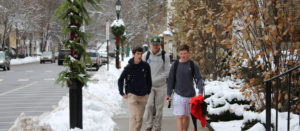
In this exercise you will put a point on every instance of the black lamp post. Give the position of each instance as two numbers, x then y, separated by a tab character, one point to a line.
118	8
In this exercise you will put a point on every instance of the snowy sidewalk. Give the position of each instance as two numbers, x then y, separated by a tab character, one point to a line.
168	122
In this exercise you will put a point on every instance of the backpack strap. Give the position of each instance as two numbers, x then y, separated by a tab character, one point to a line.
192	68
145	66
175	70
162	55
128	77
147	55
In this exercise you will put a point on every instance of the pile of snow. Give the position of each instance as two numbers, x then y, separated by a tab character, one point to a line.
227	126
27	122
24	60
222	92
118	23
101	101
250	116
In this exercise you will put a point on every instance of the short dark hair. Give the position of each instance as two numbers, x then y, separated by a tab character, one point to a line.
184	47
137	49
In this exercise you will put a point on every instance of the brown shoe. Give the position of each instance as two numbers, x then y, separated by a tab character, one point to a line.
148	129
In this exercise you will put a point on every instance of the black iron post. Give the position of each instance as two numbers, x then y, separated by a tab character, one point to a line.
107	55
268	106
118	10
289	98
75	102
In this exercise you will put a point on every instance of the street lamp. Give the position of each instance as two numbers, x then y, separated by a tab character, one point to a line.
118	8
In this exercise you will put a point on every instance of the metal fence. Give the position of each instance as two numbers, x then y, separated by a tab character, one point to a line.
279	91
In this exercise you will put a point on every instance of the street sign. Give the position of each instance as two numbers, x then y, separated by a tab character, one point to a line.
107	30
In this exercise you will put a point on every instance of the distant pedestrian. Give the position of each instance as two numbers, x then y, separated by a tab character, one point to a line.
160	65
138	83
182	74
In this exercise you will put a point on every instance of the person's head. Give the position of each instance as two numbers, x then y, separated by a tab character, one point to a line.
184	52
137	54
155	44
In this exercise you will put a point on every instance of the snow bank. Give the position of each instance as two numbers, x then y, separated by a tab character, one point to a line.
227	126
282	119
25	60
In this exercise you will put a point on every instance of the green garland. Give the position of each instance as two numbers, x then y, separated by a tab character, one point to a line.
118	30
71	15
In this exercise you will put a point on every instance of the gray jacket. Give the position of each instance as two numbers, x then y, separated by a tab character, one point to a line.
159	69
184	85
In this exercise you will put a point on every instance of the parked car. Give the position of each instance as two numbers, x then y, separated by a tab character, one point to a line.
62	56
4	61
56	55
95	60
104	57
47	57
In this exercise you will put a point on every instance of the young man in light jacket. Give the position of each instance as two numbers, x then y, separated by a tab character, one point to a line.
159	63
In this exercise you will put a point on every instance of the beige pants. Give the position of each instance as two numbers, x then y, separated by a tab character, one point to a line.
136	106
157	97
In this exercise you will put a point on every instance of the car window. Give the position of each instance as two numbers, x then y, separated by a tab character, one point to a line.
103	54
64	51
2	56
92	54
47	53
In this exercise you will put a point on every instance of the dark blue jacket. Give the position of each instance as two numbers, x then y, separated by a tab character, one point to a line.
140	83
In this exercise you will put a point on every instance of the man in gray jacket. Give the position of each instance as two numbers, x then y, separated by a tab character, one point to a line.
181	79
160	65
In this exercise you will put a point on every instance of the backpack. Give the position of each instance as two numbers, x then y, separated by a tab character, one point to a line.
129	76
162	55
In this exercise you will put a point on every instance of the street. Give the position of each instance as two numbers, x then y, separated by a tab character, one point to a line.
28	88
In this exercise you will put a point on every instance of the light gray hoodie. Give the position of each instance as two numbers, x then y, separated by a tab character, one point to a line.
159	69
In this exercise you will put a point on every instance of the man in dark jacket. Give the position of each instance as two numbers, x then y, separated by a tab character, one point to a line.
137	75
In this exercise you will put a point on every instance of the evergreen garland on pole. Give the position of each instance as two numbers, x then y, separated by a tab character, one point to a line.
71	15
118	29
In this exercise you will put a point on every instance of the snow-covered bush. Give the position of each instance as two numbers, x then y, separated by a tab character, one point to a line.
225	101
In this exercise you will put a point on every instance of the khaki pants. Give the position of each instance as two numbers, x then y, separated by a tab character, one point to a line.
136	106
157	97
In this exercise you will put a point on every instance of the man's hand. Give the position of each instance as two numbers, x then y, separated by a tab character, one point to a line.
125	96
168	98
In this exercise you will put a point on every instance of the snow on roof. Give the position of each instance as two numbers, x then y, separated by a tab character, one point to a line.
118	22
167	32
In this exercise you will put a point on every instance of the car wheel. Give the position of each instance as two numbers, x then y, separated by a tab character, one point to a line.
41	62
